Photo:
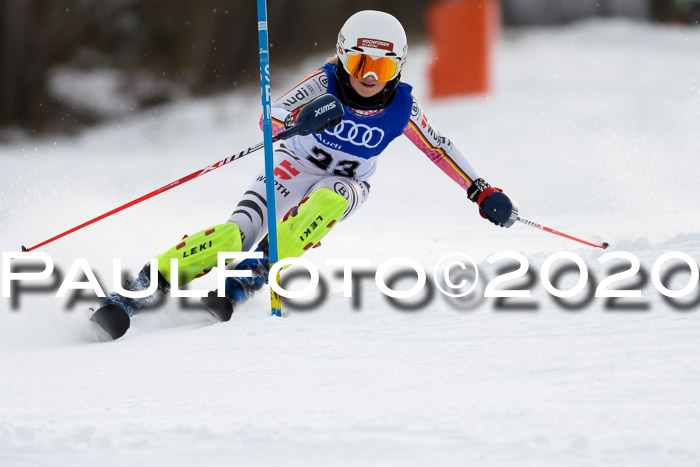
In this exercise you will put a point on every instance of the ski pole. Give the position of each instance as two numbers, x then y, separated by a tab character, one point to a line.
160	190
604	245
316	114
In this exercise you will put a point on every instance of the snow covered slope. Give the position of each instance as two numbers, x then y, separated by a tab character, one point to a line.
592	128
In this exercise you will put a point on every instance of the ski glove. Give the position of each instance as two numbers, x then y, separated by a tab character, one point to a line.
321	113
494	205
333	122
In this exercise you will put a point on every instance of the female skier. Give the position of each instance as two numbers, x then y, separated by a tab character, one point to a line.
322	177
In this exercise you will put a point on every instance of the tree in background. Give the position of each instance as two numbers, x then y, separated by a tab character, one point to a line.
204	47
197	47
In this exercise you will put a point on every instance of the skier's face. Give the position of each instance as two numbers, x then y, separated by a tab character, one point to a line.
367	86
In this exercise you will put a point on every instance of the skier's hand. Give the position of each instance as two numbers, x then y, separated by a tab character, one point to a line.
290	121
494	205
333	122
319	114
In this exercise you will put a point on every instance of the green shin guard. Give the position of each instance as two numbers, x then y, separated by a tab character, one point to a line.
198	253
304	226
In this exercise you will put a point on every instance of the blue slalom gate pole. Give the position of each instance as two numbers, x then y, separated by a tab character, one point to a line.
275	299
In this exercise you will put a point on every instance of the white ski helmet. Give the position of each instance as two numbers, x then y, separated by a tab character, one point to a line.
377	36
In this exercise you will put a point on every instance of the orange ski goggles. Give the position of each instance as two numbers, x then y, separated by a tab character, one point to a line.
360	65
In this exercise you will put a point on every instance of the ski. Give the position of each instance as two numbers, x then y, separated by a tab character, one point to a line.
111	317
220	307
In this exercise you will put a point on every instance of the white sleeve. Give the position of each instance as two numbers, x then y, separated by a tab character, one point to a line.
286	108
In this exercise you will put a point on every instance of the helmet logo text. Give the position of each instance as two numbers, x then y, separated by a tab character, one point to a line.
375	44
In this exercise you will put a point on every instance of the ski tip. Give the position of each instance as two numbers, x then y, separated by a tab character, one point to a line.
24	248
220	307
113	319
605	245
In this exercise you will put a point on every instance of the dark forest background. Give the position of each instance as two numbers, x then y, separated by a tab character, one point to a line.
198	47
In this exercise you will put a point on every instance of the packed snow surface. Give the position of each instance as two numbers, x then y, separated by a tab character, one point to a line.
593	129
